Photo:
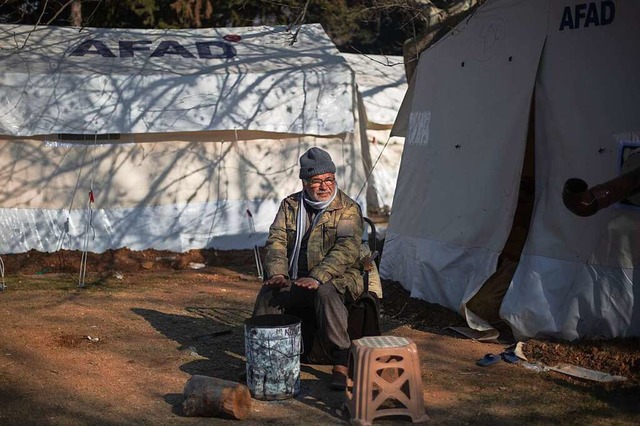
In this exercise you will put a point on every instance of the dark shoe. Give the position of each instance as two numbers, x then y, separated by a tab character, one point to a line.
339	377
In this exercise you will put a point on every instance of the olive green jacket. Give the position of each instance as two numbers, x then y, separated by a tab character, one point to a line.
333	249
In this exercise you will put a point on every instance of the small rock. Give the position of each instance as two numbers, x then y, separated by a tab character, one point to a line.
194	265
146	265
118	275
190	351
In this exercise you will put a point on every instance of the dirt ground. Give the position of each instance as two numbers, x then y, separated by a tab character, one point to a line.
119	350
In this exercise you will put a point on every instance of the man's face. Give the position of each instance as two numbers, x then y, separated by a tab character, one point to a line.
320	187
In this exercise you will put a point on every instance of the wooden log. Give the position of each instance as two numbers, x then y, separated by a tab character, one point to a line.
212	397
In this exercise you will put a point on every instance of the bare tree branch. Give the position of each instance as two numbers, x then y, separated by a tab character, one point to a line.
299	21
93	12
44	8
64	6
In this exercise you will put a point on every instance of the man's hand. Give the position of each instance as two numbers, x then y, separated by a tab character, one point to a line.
308	283
277	281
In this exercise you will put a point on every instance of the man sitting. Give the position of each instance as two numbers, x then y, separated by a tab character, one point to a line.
312	257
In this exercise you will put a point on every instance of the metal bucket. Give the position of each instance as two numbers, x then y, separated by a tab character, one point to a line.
272	346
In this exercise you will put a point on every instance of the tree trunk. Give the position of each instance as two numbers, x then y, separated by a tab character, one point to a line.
209	397
441	21
76	13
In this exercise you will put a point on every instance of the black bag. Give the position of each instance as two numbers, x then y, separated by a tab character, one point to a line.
364	313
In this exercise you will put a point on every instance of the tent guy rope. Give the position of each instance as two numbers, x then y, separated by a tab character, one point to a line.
373	168
67	223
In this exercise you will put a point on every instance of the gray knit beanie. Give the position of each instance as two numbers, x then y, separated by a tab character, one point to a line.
315	162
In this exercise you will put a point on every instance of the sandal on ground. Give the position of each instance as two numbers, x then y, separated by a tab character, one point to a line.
487	360
510	357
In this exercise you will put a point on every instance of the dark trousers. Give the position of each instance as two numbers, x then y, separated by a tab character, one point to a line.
330	313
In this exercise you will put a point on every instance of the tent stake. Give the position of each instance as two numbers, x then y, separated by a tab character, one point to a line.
3	286
256	251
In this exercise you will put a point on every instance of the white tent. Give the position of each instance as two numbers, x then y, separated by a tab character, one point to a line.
175	133
466	118
382	85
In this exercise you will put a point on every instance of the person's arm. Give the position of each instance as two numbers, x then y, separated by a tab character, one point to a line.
276	260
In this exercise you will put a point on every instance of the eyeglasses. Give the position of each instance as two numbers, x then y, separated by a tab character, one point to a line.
315	183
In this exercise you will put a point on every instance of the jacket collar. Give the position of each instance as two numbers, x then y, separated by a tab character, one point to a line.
336	204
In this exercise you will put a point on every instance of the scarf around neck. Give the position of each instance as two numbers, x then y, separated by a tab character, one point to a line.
301	226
